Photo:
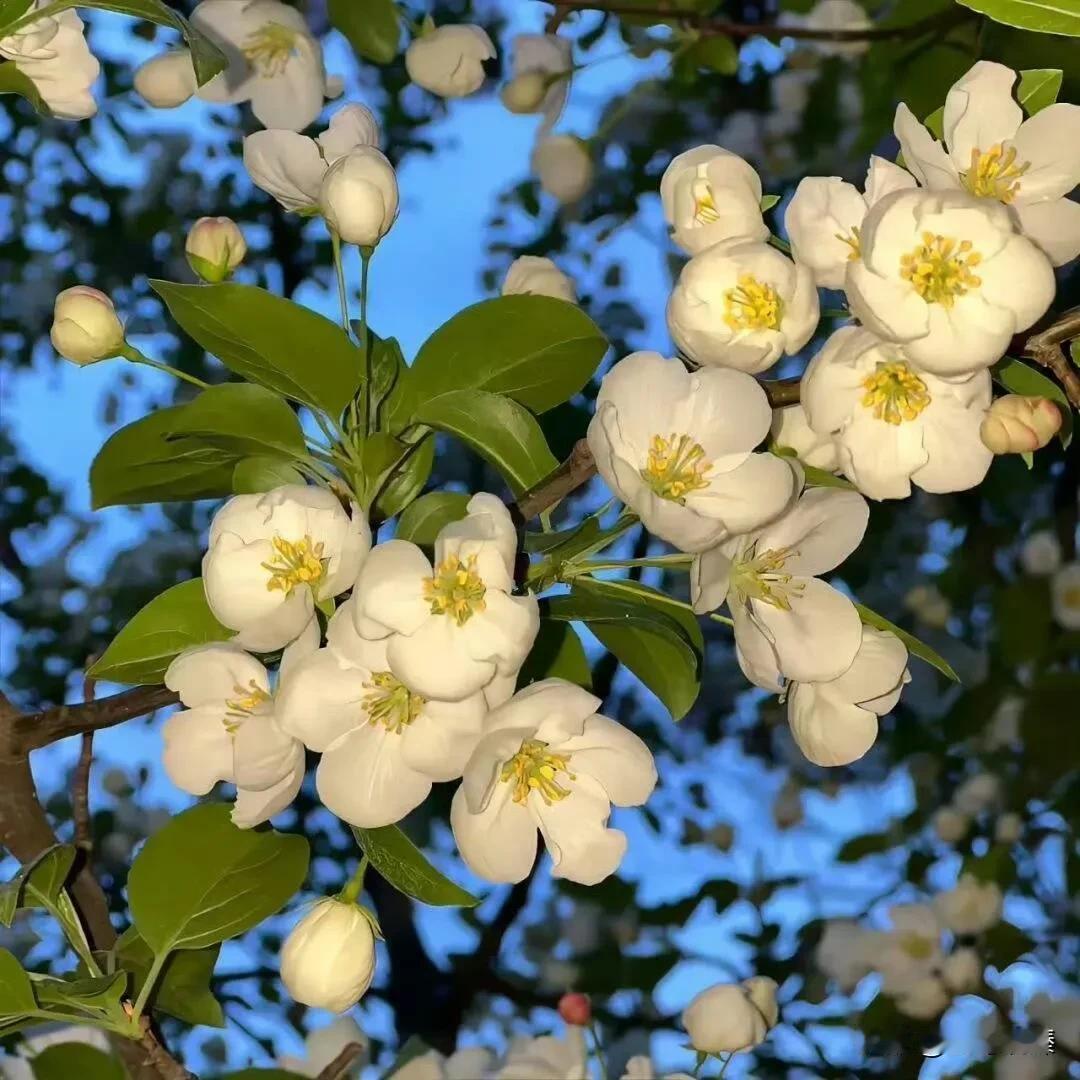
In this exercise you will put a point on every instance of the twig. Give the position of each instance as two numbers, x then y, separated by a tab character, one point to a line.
342	1063
80	781
1045	348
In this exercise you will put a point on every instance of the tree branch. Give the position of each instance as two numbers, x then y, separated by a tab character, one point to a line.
340	1066
1045	348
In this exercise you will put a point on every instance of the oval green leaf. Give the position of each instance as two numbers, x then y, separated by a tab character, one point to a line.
1042	16
16	994
914	645
421	522
406	867
372	27
64	1061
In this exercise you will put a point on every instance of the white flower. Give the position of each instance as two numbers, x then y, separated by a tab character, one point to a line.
992	152
229	729
1065	596
546	1058
549	761
549	57
453	629
85	326
167	80
924	998
640	1067
1018	424
359	196
825	216
470	1063
1061	1014
971	907
1004	727
291	167
537	276
677	448
1040	554
791	429
710	194
328	960
563	166
732	1018
1008	828
272	557
449	60
839	15
324	1044
977	793
274	61
215	247
894	424
788	623
382	745
945	274
52	53
741	304
836	722
846	953
950	825
962	971
911	952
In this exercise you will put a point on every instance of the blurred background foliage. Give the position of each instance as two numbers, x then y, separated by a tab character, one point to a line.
745	849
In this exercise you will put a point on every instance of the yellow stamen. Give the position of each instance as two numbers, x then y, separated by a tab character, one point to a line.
940	268
895	393
753	305
916	946
761	577
676	467
853	241
534	768
270	48
248	701
995	173
456	589
298	562
391	703
705	212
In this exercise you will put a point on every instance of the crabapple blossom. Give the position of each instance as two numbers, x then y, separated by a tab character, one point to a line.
894	424
732	1018
910	953
710	194
359	196
1040	554
272	557
215	247
1065	596
382	745
290	166
464	1064
677	447
542	65
945	274
825	216
990	151
846	953
1016	424
788	623
167	80
536	276
546	1058
324	1044
971	907
839	15
85	326
564	166
791	430
452	629
741	304
640	1067
449	60
548	760
962	971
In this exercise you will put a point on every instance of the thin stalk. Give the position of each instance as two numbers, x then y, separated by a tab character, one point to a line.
781	245
339	270
721	619
598	1050
351	893
130	353
365	337
671	561
148	987
723	1068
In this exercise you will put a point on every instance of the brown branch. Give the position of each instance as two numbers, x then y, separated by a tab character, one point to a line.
338	1068
1045	348
80	781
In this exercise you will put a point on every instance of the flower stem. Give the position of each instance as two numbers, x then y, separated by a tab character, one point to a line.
785	247
365	336
670	561
723	1068
339	270
351	893
598	1050
148	987
130	353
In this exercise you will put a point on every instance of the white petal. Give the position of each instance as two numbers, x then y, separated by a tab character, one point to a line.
823	528
198	749
295	97
923	154
1053	226
891	309
980	111
486	533
832	383
554	709
254	807
440	741
436	663
754	649
211	674
615	757
306	644
877	670
389	589
1050	143
749	496
829	730
883	177
1021	280
263	754
972	334
321	700
957	458
710	578
286	165
823	211
582	847
498	844
484	767
879	458
351	126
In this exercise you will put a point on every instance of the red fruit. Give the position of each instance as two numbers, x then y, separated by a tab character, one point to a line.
576	1009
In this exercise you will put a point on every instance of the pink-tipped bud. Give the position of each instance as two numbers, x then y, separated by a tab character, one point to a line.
1016	424
576	1009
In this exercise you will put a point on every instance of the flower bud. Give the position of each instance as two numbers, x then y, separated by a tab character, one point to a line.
168	80
449	60
359	197
215	247
328	960
537	276
950	825
1016	424
962	971
575	1009
85	326
525	93
732	1018
564	167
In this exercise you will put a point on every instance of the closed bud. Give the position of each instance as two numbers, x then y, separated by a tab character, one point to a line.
328	961
575	1009
359	197
525	93
168	80
215	247
85	326
730	1019
537	276
1016	424
449	60
564	167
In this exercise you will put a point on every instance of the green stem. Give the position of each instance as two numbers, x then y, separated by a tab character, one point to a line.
598	1050
152	977
365	337
721	619
339	270
130	353
351	893
621	564
73	931
723	1068
785	247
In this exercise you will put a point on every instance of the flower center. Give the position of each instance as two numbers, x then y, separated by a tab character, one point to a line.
298	562
895	393
534	768
995	173
853	241
940	268
676	467
917	946
391	703
249	699
456	589
705	212
270	48
752	305
761	577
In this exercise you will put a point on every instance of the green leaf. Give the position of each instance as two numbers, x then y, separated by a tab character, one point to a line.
914	645
243	420
13	81
768	202
1004	944
389	385
269	340
648	642
1018	378
1038	88
424	518
628	591
200	880
16	994
406	867
183	987
178	619
407	482
716	53
37	884
254	475
372	27
64	1061
100	996
497	428
935	123
535	349
816	477
141	464
1042	16
11	10
858	847
557	653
